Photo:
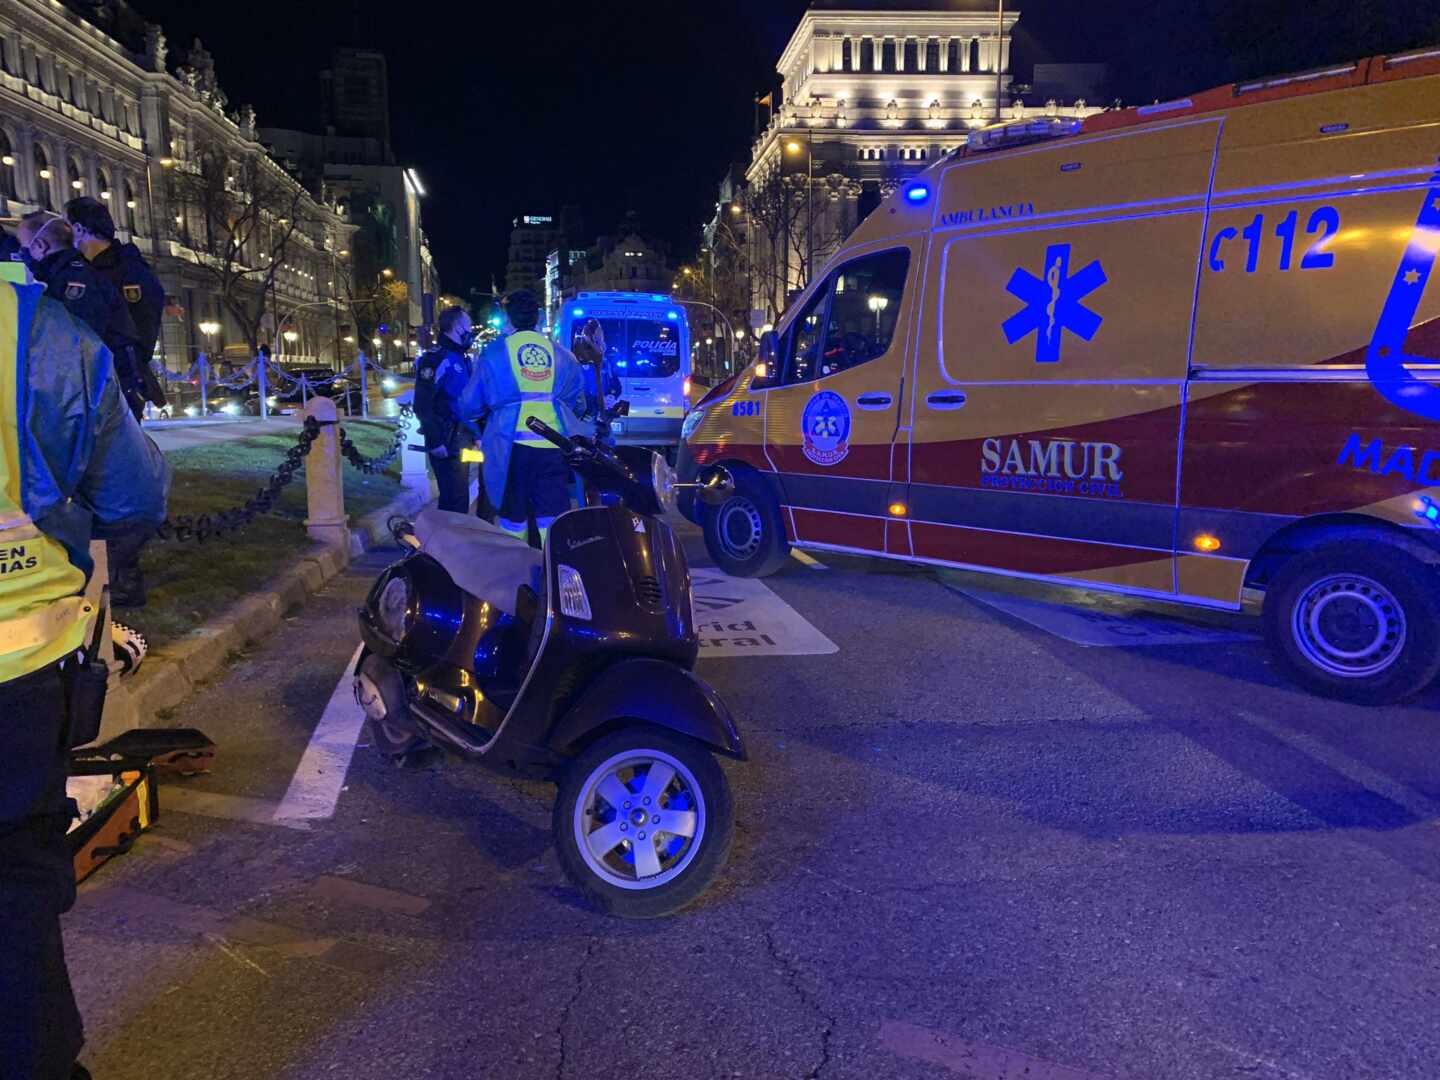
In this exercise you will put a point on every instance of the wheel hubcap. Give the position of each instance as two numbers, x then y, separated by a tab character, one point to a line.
740	528
1349	625
640	819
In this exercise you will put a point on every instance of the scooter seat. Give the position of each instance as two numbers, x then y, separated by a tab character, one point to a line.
485	561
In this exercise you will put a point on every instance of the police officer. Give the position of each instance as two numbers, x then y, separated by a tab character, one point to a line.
125	268
88	295
591	352
520	375
65	474
85	292
440	378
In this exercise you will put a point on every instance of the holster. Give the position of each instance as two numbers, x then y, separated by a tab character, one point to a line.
86	679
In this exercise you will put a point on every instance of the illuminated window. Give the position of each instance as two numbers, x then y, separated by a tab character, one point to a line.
7	166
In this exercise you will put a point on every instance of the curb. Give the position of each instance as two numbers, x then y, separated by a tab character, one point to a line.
172	673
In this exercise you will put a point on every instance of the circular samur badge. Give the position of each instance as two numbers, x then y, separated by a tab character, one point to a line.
534	362
825	425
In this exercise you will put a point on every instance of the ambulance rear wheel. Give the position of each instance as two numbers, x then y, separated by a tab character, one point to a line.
1356	621
744	534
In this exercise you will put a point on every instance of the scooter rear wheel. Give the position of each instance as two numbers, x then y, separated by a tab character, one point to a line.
643	821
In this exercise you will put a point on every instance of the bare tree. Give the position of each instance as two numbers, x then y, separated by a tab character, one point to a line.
240	218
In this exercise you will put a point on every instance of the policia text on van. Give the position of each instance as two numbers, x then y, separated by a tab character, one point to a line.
1199	353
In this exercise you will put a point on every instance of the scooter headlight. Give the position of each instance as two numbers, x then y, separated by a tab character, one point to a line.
574	601
662	479
692	421
392	608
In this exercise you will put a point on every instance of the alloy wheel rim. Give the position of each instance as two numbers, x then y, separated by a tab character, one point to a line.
640	819
1349	625
740	528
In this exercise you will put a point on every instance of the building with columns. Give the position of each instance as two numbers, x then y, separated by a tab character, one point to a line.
871	93
91	103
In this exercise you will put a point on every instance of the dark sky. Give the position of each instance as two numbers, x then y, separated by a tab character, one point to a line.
519	108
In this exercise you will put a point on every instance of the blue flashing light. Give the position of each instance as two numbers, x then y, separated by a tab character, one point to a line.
659	296
577	312
1428	510
917	193
672	315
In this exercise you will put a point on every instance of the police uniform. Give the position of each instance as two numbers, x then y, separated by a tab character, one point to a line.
525	374
66	474
125	268
90	297
440	377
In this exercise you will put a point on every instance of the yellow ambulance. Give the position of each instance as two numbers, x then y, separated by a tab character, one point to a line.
1177	351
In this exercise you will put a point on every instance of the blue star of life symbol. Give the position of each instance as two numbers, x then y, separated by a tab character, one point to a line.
1052	303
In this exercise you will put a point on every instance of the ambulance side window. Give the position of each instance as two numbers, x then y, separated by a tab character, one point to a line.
864	311
803	340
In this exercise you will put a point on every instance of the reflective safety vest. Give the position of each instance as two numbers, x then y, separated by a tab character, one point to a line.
532	362
43	617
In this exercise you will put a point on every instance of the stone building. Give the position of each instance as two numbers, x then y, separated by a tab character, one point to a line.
92	103
871	93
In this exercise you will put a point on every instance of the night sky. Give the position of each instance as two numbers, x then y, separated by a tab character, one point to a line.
518	108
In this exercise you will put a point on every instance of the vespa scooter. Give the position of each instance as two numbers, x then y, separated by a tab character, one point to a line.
574	665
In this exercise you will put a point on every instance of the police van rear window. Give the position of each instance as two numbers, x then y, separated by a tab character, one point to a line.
640	348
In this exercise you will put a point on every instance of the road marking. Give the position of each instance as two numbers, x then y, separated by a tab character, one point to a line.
1364	776
808	560
315	788
218	804
1091	627
974	1059
743	617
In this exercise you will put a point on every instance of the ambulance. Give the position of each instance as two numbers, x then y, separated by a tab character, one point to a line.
1183	352
647	343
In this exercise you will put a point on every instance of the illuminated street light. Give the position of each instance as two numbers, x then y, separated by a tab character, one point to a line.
388	272
792	147
290	336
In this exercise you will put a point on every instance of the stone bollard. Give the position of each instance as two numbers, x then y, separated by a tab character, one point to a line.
414	466
324	478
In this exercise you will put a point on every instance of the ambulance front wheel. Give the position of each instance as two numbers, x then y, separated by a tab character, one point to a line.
744	534
1356	621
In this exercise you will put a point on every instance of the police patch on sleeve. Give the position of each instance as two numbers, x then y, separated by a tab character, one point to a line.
74	290
132	294
427	373
825	425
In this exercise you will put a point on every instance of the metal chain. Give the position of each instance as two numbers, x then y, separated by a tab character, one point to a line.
381	463
199	528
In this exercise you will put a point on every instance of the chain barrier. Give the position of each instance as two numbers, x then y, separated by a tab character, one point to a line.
382	462
198	528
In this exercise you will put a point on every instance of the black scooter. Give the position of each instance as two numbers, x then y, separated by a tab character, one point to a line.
572	665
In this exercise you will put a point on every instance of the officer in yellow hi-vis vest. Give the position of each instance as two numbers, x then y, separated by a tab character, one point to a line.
525	374
73	465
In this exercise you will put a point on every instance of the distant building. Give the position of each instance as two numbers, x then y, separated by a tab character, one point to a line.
532	238
92	103
872	93
628	262
356	95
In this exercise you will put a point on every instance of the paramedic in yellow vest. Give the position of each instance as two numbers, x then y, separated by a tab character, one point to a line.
520	375
73	465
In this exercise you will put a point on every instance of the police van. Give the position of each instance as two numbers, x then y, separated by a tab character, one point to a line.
647	343
1180	351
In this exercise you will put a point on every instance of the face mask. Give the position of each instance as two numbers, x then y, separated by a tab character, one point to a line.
467	339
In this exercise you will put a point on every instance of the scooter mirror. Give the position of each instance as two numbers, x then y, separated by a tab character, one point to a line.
715	484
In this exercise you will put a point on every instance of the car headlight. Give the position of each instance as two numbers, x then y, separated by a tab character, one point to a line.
392	608
662	479
272	401
230	409
692	421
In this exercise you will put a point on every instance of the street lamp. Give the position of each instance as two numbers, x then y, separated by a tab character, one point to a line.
877	304
290	336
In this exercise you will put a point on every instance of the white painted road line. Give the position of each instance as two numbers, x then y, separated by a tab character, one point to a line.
218	804
315	787
808	560
742	617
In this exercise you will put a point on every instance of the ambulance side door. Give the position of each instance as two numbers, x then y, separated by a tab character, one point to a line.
1051	366
830	420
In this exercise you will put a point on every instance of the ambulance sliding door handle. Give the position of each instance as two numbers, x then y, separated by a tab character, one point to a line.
873	401
949	399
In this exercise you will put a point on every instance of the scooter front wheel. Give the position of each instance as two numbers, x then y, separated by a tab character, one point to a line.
643	821
381	693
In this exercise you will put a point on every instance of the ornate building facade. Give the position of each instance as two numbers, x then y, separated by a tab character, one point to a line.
871	94
100	108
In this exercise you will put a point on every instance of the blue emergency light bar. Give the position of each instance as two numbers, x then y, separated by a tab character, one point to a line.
1428	511
917	194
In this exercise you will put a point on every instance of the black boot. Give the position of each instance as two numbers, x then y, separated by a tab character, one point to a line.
127	587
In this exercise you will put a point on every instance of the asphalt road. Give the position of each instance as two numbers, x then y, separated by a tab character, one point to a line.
966	847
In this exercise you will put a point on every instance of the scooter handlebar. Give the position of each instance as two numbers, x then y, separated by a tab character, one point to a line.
544	430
